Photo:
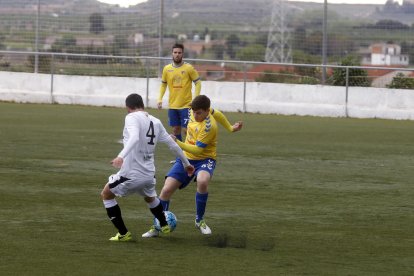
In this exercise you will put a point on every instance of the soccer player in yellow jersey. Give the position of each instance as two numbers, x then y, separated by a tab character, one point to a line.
178	76
200	148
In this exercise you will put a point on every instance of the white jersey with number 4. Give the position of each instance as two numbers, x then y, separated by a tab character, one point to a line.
141	134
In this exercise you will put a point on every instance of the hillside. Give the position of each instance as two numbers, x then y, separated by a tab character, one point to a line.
247	13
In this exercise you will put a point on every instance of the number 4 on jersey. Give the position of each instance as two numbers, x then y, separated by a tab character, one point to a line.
150	133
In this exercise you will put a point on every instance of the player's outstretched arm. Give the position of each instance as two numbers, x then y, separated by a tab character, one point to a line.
189	148
222	119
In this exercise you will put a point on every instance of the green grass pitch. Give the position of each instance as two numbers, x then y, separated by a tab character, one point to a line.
290	196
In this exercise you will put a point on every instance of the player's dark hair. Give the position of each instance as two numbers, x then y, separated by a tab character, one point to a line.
178	45
134	101
200	102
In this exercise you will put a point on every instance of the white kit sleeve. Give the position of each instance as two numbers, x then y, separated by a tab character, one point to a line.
133	130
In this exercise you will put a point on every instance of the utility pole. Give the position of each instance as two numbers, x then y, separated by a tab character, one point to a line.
161	35
324	40
36	65
278	48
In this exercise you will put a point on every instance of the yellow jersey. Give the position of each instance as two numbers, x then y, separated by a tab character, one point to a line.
178	79
204	135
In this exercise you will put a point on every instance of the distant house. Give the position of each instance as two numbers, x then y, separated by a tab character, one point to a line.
182	37
385	54
196	48
138	38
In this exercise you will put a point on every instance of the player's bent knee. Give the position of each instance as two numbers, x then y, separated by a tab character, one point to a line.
106	193
202	186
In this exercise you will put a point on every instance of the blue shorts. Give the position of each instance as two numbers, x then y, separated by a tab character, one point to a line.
178	117
178	172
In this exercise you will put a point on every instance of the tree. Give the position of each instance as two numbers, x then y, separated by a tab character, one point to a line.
356	76
96	23
299	38
314	43
218	51
232	42
253	52
391	7
390	24
401	81
339	45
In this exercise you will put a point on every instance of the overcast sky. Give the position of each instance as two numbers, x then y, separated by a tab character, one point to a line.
126	3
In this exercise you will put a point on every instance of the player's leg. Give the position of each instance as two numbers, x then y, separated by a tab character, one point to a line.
184	119
201	197
203	179
176	178
175	122
170	186
114	212
156	209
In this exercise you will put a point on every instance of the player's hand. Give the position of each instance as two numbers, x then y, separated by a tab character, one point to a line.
159	105
190	170
117	162
237	126
173	137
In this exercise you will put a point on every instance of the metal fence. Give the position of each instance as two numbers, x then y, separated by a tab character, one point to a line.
213	70
260	30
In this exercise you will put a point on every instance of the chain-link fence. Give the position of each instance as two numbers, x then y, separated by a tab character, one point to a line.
279	37
213	70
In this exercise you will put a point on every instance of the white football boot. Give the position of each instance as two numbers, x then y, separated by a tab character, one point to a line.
204	229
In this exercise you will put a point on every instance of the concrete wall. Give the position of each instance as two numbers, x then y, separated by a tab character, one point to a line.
270	98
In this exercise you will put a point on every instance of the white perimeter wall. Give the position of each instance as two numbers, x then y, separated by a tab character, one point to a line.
270	98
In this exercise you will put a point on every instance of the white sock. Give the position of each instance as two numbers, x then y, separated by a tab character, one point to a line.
109	203
154	203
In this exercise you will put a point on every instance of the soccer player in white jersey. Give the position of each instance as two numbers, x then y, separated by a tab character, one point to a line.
141	134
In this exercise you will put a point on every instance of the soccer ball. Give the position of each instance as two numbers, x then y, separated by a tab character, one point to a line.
171	220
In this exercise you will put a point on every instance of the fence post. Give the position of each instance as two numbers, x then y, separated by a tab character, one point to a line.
36	65
346	91
324	40
244	85
147	75
52	71
161	37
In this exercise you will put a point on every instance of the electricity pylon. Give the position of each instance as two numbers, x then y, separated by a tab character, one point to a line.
278	48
